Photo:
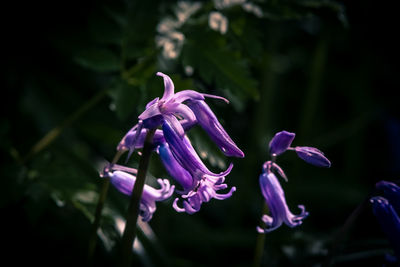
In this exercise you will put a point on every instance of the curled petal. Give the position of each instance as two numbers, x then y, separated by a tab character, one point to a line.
281	142
209	122
312	156
275	198
193	95
125	183
389	221
203	192
168	86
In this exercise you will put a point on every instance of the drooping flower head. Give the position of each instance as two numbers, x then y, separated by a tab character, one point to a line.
172	116
275	198
272	190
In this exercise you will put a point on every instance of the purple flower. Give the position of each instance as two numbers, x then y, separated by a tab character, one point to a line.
190	108
270	187
280	142
125	182
386	210
275	199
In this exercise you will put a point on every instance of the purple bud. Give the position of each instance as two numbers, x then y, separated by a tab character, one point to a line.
281	142
312	156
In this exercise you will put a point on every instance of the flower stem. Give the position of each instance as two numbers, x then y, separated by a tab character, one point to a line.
259	249
129	234
97	215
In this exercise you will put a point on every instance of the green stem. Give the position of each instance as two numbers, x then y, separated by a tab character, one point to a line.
97	215
259	249
129	234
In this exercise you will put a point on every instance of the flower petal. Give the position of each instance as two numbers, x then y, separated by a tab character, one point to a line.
312	156
281	142
177	172
168	86
184	152
209	122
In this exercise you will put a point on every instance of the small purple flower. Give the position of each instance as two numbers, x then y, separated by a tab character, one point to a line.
386	210
275	198
280	142
125	182
270	187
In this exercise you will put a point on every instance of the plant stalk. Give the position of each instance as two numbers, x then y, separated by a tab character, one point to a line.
129	234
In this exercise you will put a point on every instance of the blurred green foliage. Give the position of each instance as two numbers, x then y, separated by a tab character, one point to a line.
323	69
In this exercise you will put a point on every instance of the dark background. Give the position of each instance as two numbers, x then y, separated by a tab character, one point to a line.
325	70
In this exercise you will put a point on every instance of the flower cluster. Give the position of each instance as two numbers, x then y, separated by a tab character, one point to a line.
386	209
172	116
271	188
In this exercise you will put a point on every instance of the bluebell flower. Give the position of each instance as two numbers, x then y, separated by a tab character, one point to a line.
386	210
275	198
272	190
176	114
124	182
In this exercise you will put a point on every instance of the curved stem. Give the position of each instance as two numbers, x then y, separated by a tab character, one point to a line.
133	210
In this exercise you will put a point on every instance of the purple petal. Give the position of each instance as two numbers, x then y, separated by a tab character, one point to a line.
151	111
209	122
389	221
176	171
281	142
168	86
184	152
125	182
193	95
275	198
312	156
132	142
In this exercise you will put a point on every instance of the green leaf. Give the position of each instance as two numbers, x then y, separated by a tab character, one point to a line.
215	63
